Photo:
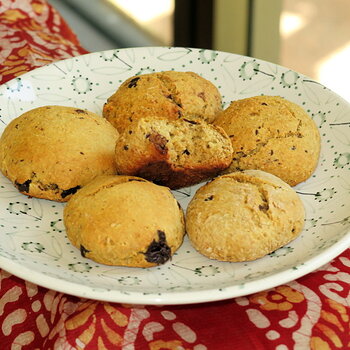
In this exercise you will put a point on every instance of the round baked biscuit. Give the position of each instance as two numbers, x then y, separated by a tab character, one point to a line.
173	153
243	216
272	134
163	95
50	152
126	221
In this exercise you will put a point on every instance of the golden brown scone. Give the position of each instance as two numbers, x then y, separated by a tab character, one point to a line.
163	95
125	220
243	216
50	152
173	153
272	134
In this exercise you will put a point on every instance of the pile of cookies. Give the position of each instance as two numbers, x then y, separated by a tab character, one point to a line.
164	131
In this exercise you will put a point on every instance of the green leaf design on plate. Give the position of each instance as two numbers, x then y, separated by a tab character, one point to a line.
111	70
257	86
230	58
86	59
311	90
56	248
229	78
341	134
68	65
36	206
51	97
47	77
174	55
105	94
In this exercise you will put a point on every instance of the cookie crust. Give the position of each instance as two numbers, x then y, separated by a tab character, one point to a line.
272	134
163	95
125	221
51	152
243	216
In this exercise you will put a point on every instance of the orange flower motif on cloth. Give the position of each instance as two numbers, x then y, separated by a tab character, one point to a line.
167	345
281	298
332	327
93	333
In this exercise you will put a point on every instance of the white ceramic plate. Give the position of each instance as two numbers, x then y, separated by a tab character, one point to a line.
33	242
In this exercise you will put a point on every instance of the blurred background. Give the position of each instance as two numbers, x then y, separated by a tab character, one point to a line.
311	37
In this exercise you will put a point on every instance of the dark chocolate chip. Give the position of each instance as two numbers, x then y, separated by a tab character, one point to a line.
159	142
171	97
264	104
210	198
158	251
186	151
264	207
202	96
23	187
126	147
83	251
133	82
190	121
80	111
70	191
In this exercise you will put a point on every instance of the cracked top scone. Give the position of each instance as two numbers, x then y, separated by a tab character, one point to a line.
50	152
243	216
163	95
176	153
125	220
272	134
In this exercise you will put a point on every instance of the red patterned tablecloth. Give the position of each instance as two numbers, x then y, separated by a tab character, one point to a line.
310	313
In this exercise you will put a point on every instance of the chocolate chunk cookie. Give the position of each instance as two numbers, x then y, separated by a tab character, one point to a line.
176	153
272	134
164	95
125	220
243	216
51	152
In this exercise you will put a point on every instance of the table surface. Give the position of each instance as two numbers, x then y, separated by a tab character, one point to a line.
309	313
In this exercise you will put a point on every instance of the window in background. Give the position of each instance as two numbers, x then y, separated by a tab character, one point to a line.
315	41
155	17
